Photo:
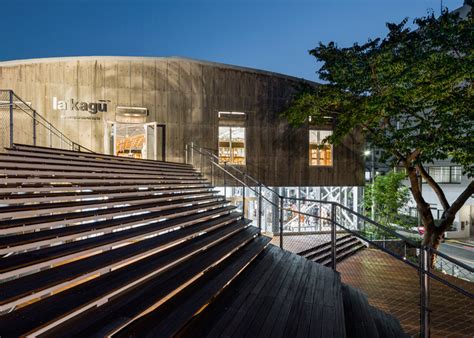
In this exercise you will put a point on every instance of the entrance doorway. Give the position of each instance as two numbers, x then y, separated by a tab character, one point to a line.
136	140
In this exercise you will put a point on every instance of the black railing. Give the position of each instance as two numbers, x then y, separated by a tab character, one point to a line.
20	123
390	256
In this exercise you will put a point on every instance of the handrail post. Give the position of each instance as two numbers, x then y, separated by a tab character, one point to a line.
259	220
34	127
186	153
243	199
424	265
192	153
211	163
200	159
281	222
11	118
333	236
225	183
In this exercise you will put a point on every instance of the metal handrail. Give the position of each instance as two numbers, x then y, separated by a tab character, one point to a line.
413	265
423	267
38	119
203	151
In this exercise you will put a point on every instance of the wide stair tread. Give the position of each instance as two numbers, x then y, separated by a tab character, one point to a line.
174	313
279	295
95	245
99	289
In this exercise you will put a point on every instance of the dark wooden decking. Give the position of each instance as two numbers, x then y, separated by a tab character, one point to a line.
94	245
279	295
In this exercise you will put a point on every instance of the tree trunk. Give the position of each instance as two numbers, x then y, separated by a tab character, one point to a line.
432	238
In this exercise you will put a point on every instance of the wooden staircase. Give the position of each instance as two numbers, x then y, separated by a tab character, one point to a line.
346	246
98	245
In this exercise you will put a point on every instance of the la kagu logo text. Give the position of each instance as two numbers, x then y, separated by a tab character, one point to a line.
76	105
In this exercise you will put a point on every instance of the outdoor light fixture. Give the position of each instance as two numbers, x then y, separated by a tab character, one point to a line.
132	111
366	152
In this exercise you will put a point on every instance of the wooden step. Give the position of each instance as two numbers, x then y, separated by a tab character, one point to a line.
25	192
36	285
323	245
53	198
49	237
71	219
273	297
86	156
149	312
324	248
342	251
52	311
39	166
22	212
52	255
13	156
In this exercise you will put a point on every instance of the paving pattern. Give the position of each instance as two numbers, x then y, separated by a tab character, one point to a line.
393	287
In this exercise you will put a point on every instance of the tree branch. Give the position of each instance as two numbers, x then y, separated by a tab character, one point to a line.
422	206
459	202
435	186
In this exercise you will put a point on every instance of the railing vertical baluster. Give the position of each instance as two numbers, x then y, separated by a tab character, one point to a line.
243	199
211	163
11	118
424	266
50	137
281	222
186	153
259	220
200	159
333	236
34	127
225	183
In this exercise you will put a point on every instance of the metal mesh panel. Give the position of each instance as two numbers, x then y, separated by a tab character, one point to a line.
390	285
451	312
390	268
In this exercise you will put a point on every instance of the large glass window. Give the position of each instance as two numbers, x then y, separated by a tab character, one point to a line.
319	154
232	145
448	174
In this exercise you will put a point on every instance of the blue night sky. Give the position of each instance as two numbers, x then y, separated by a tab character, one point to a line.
273	35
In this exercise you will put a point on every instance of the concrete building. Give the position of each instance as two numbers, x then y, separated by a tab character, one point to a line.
149	107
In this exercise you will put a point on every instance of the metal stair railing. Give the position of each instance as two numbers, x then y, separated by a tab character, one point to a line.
20	123
417	295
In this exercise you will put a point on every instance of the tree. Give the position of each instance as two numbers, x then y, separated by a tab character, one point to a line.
388	195
410	94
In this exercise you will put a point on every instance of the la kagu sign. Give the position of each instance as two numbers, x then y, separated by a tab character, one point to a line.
76	105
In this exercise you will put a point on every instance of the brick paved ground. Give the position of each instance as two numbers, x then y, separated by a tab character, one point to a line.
393	286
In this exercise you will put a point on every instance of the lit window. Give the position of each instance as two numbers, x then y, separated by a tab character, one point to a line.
319	154
448	174
232	145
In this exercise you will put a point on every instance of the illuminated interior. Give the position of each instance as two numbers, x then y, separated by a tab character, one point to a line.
319	154
130	140
232	145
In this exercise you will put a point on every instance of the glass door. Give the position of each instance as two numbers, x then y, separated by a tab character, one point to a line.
135	140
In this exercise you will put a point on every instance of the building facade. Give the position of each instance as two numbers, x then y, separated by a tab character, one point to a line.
152	107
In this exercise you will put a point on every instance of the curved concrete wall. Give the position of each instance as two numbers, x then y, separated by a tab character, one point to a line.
185	95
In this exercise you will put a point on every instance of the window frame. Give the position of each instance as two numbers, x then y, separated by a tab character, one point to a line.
450	175
231	152
318	164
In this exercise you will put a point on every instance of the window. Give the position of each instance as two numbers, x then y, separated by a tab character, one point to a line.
319	154
447	174
232	145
